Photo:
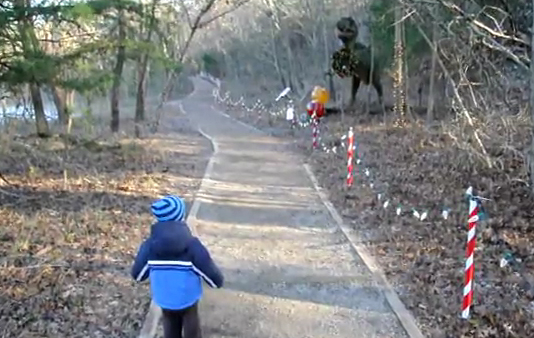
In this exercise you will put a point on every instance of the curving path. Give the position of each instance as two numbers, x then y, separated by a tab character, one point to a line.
290	271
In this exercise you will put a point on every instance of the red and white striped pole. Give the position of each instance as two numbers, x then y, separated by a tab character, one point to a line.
315	129
469	262
350	157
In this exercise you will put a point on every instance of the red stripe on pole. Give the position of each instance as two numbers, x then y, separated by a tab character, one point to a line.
350	157
470	264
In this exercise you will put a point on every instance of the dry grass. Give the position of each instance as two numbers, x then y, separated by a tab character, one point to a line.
430	169
67	242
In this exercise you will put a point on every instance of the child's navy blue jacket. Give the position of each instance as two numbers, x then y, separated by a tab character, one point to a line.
175	261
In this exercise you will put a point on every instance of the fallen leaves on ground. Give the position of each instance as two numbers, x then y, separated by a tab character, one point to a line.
426	168
70	225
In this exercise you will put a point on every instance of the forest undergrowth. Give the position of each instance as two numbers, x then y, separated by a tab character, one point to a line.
428	169
71	220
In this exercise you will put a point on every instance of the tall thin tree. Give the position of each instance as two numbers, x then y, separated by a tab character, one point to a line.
30	49
532	103
143	70
118	69
400	99
431	89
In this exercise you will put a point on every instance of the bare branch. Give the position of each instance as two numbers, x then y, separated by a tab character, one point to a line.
186	12
4	179
519	60
171	78
456	94
222	13
488	35
454	8
196	25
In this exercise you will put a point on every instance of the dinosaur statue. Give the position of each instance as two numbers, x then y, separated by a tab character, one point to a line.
353	59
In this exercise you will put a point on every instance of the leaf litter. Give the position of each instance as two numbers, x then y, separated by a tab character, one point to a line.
424	260
67	245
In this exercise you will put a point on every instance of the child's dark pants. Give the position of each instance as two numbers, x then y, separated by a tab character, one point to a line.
177	321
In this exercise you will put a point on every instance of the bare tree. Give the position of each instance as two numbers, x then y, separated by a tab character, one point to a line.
118	69
400	99
64	101
142	69
30	45
431	89
532	103
275	27
200	21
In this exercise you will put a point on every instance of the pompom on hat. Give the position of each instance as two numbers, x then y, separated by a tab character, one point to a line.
169	208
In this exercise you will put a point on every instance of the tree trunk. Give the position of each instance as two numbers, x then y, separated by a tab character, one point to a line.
276	54
284	41
29	45
171	78
38	108
140	99
117	74
276	58
400	99
406	74
532	105
63	99
431	89
327	57
142	71
372	70
58	94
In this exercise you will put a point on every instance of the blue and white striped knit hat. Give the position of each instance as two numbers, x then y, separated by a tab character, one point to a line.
169	208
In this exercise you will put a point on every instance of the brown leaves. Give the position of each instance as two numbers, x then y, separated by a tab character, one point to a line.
426	259
426	174
66	249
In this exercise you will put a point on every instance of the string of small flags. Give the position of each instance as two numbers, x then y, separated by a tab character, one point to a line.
354	154
287	112
386	201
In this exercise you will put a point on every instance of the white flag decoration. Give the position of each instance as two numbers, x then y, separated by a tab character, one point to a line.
290	113
283	93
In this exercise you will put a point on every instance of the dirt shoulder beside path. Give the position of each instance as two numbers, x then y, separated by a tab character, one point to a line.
66	246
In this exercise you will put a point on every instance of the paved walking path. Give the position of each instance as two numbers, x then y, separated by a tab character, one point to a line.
290	272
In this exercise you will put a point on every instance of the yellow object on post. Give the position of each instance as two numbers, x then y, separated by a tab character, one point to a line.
319	94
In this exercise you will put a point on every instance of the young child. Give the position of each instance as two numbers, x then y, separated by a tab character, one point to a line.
176	262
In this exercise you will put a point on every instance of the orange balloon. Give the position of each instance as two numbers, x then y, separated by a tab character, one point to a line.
320	95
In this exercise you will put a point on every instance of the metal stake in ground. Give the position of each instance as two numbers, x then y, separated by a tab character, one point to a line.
350	157
290	115
469	262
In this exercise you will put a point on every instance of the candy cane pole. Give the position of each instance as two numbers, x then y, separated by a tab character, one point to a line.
350	157
315	129
469	262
